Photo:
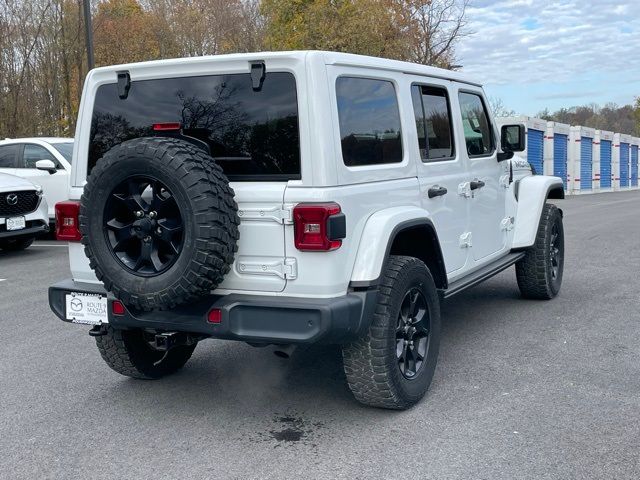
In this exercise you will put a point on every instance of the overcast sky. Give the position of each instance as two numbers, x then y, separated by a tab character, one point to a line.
535	54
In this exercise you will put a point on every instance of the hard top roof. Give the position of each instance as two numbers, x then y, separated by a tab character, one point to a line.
329	58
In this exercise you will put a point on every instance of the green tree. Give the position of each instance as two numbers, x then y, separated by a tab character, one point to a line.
422	31
368	27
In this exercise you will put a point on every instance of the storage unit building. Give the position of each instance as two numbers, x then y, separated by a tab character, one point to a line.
556	142
535	129
581	159
621	170
602	150
633	160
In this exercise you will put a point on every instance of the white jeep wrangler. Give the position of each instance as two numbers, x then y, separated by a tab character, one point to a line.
294	197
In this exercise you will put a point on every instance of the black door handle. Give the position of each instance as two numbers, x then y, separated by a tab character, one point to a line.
476	184
437	191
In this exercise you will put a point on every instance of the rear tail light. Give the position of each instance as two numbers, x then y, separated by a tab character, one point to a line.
214	316
166	127
67	222
318	226
117	308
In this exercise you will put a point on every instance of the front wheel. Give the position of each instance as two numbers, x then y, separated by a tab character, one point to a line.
539	273
393	364
130	353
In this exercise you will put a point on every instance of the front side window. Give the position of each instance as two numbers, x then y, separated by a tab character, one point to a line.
33	153
433	122
8	156
477	129
252	134
369	119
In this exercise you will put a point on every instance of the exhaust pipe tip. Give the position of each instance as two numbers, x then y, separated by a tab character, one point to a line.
284	351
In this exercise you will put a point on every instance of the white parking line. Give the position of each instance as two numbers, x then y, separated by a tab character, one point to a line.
48	245
2	279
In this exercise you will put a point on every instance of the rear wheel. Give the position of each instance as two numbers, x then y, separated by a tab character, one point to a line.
393	364
130	353
540	272
16	244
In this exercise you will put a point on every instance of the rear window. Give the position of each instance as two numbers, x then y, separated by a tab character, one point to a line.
253	135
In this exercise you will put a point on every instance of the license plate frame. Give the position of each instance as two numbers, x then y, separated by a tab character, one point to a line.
15	224
86	308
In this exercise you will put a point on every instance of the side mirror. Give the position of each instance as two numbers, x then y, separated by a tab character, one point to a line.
512	138
47	166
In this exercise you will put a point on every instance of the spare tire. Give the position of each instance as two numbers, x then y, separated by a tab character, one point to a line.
159	222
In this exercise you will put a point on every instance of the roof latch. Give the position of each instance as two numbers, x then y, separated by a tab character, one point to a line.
124	84
258	72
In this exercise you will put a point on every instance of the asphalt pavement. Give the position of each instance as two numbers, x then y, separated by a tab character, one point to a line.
523	389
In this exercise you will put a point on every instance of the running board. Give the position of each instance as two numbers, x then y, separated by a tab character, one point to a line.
481	275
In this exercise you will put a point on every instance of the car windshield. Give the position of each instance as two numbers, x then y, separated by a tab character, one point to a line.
65	149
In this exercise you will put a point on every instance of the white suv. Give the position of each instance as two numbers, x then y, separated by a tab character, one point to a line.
295	197
23	213
44	161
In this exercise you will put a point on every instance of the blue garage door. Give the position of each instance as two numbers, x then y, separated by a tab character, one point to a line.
605	164
535	149
634	165
560	157
586	167
624	164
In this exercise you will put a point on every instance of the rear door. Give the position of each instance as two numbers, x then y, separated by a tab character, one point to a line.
487	182
260	262
252	133
441	171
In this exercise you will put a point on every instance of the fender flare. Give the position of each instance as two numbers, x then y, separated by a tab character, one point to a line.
533	192
383	227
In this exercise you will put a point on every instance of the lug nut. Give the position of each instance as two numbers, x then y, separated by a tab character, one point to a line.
153	214
159	231
139	213
147	239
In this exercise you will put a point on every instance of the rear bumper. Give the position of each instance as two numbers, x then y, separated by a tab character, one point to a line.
249	318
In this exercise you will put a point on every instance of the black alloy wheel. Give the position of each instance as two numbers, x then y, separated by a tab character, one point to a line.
143	225
392	364
540	272
556	251
412	333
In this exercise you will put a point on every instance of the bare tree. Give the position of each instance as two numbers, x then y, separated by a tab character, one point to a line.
209	27
499	109
434	27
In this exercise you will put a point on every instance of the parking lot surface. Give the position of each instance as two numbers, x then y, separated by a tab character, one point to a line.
523	389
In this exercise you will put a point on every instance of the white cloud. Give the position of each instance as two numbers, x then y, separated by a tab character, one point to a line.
535	41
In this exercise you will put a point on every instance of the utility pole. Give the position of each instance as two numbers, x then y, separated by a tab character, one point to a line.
88	30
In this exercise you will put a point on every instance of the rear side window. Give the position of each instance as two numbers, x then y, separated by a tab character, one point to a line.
8	156
369	121
433	122
253	135
32	153
477	129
